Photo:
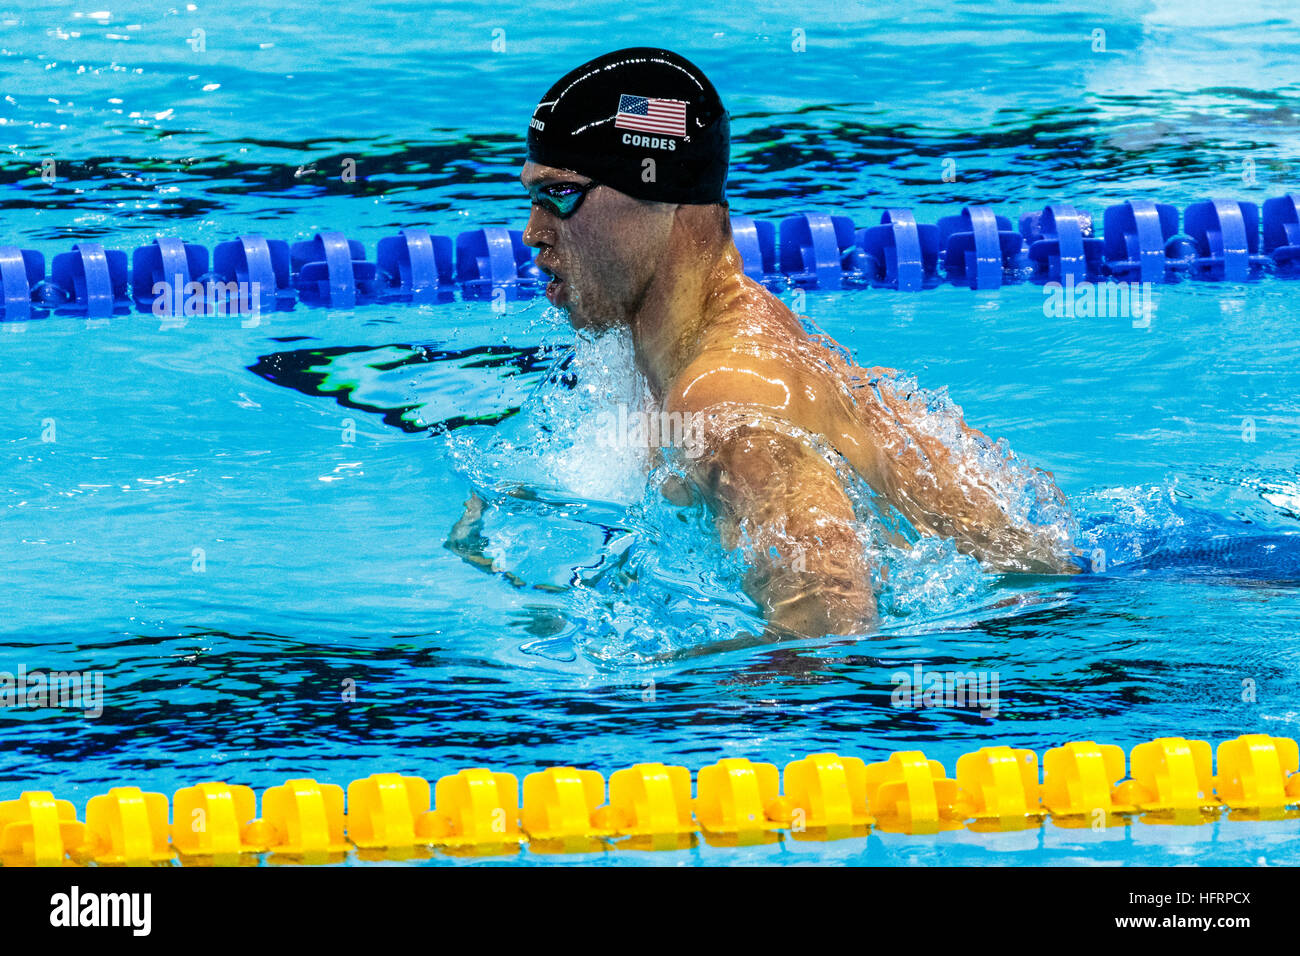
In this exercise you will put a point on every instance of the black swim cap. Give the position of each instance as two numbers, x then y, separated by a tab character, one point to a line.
608	116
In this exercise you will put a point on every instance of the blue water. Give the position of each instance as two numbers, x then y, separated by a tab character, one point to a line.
234	525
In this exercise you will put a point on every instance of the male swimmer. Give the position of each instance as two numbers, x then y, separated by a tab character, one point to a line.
627	168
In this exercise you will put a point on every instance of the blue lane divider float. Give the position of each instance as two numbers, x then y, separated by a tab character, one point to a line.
91	278
901	253
492	261
1226	234
813	247
1058	244
756	242
978	247
1282	232
417	263
1220	240
165	260
21	273
1137	238
256	263
332	270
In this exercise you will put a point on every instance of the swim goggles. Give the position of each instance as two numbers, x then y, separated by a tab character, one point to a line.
561	199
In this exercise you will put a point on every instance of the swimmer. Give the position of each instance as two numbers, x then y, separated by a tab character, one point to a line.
627	168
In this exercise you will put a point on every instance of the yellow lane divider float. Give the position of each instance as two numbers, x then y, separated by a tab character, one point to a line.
649	806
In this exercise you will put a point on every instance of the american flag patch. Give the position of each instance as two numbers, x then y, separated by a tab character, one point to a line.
650	115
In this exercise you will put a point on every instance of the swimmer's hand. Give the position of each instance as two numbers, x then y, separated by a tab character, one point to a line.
466	537
468	541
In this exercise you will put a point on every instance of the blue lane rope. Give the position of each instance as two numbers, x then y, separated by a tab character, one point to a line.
1220	240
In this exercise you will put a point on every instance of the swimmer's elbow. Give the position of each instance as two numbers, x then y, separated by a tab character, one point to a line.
819	582
830	594
823	609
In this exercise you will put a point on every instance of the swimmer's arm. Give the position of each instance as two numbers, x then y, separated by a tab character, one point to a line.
810	573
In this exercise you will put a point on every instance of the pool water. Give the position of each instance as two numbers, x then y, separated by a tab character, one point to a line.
243	528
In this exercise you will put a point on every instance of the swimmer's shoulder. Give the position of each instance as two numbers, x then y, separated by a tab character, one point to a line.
738	378
748	359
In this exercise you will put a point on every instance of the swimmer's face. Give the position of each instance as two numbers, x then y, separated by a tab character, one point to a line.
603	256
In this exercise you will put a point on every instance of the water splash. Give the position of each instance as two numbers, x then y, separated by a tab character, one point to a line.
638	579
643	579
954	481
1159	529
554	443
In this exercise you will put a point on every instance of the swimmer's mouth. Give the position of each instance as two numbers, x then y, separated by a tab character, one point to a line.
555	287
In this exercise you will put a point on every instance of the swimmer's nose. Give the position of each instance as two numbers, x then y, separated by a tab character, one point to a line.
538	232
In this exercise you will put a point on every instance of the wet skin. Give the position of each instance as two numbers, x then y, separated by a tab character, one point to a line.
713	343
